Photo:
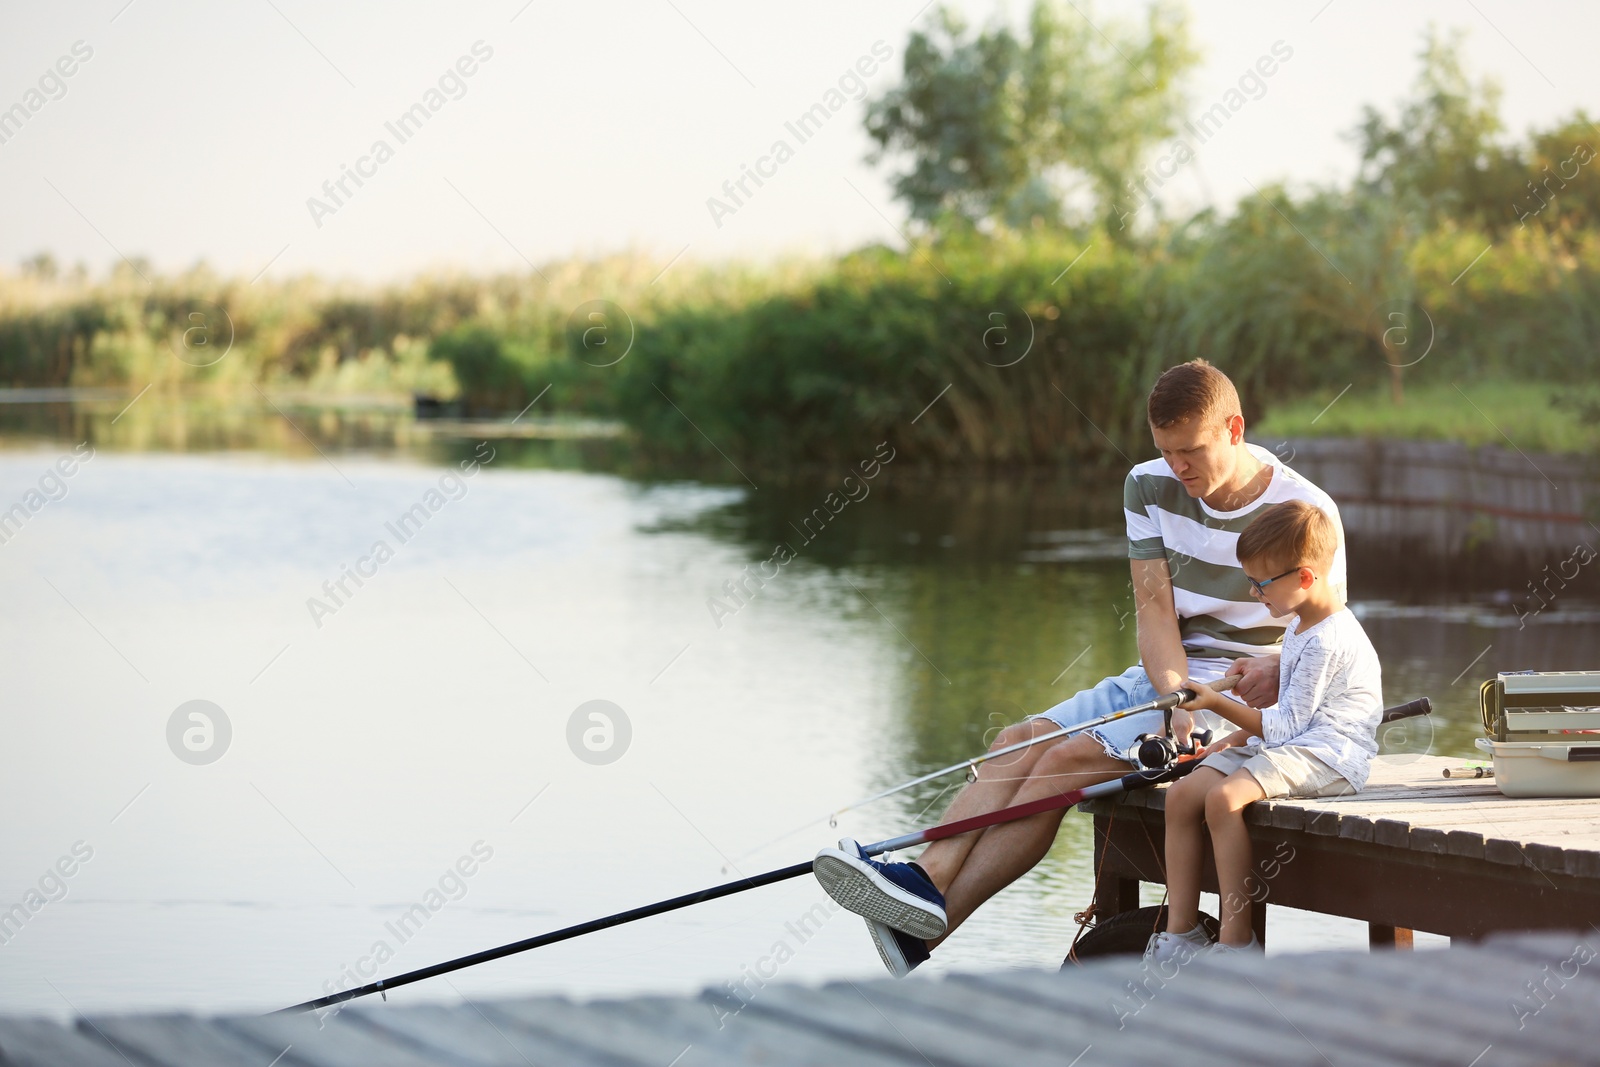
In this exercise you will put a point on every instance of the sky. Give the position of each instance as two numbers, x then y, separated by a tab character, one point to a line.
192	131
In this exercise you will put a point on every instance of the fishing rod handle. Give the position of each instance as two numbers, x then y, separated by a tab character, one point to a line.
1184	694
1419	706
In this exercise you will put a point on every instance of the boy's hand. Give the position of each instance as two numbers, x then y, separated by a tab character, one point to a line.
1206	699
1182	723
1238	737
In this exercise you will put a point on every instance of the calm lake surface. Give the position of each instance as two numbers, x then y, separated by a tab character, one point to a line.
417	726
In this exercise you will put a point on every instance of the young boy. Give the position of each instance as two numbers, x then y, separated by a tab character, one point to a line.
1318	741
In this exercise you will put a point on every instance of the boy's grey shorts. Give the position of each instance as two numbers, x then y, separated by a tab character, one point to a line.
1283	771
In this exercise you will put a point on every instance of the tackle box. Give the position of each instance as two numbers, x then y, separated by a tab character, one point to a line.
1543	731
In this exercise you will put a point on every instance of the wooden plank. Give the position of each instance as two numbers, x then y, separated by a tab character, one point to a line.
1528	824
472	1034
590	1034
1582	863
180	1039
1428	839
852	1012
1391	833
1399	768
1281	816
1557	960
1123	1016
332	1041
1464	843
1447	797
1477	980
1395	999
745	1038
1506	853
1443	799
1323	823
41	1043
1257	997
1546	857
1566	1027
1355	828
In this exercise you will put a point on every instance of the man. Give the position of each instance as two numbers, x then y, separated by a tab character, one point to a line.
1196	622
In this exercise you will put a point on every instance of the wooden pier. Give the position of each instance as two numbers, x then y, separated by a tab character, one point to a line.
1513	1000
1412	851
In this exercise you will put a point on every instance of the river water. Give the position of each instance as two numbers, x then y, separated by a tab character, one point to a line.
403	779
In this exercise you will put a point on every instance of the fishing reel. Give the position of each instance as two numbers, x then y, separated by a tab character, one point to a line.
1155	752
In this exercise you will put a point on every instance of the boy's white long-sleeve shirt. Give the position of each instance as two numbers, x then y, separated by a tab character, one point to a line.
1330	696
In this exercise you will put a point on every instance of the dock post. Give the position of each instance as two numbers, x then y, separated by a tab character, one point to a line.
1113	893
1381	936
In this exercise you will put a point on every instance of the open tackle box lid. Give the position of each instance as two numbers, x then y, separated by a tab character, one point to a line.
1543	730
1516	705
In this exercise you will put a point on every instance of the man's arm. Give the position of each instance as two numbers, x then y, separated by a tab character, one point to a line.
1160	643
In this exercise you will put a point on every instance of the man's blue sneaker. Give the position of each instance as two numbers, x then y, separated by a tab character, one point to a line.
901	953
898	895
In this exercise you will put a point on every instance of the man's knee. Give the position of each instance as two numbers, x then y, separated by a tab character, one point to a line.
1072	755
1026	730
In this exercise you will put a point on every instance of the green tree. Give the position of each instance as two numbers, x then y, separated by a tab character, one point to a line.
1008	127
1442	158
1560	185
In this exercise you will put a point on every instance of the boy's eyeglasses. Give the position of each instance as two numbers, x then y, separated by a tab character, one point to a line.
1261	586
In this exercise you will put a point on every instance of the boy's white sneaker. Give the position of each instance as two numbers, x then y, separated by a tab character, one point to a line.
1181	947
1251	950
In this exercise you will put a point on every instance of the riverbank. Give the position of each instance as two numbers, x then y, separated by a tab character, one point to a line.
1511	413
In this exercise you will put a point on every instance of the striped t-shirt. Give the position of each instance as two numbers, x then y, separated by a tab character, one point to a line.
1217	616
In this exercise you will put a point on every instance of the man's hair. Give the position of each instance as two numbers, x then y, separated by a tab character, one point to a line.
1288	534
1192	391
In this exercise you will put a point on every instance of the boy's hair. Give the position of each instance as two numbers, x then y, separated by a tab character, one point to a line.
1193	390
1293	532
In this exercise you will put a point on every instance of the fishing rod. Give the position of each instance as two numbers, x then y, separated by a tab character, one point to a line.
1166	703
1134	780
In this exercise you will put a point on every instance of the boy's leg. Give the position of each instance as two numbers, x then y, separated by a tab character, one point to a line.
1230	840
1185	848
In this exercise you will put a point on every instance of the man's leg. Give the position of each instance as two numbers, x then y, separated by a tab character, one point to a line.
996	788
1000	781
953	877
1001	854
1230	840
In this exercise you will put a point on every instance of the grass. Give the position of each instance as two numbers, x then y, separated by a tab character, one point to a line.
1533	416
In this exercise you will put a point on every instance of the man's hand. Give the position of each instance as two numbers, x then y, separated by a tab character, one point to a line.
1258	680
